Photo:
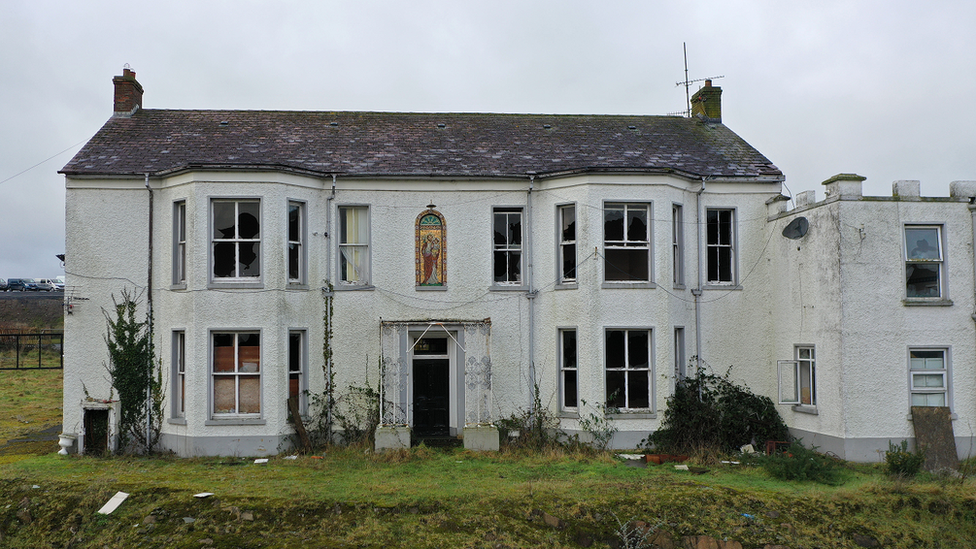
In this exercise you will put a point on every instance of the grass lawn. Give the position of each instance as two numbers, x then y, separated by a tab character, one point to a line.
423	497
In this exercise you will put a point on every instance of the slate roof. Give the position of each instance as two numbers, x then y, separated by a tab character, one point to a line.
377	144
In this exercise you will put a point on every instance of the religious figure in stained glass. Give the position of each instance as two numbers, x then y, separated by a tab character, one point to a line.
431	248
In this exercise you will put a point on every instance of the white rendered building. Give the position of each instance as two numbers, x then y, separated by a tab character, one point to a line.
457	262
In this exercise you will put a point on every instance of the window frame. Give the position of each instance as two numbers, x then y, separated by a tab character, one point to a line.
626	244
508	249
677	246
796	374
566	247
178	375
179	244
680	354
237	374
732	246
235	281
626	408
565	368
365	279
939	262
302	237
945	372
302	367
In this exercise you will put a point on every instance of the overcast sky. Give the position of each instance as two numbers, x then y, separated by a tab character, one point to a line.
883	89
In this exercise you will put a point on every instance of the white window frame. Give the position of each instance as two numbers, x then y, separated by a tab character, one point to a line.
724	244
627	244
179	243
677	246
298	370
354	247
568	367
628	371
236	280
178	374
680	360
797	374
507	248
918	367
295	244
237	374
915	256
566	245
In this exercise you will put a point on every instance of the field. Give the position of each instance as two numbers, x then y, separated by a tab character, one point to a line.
350	497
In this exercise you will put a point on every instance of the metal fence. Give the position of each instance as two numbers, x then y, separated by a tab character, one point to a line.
31	350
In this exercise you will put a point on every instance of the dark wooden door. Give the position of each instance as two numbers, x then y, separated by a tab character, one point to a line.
431	397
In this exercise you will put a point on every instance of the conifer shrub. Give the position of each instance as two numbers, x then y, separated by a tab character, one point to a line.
900	462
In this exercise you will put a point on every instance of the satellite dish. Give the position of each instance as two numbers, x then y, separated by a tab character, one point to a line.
796	229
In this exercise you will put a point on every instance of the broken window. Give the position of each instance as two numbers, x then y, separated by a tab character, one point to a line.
507	258
354	245
720	246
296	237
567	244
626	242
923	261
569	378
179	242
236	373
929	377
628	368
236	239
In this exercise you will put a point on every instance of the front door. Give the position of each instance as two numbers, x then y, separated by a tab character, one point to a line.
431	387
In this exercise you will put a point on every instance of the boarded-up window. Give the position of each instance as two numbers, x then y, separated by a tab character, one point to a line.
237	373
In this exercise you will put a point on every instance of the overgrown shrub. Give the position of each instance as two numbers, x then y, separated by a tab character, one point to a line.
711	412
537	428
900	462
799	463
135	375
598	424
350	418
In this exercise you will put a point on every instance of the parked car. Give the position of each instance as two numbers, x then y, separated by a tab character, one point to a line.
59	283
44	284
21	285
3	285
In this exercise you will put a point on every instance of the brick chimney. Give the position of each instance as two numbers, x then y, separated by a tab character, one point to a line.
707	103
128	93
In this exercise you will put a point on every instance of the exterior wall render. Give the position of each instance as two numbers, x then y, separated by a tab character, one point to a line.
842	288
839	288
106	255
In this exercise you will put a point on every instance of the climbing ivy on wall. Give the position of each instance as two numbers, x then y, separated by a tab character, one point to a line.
135	375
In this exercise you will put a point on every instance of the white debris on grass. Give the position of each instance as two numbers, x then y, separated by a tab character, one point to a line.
113	503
